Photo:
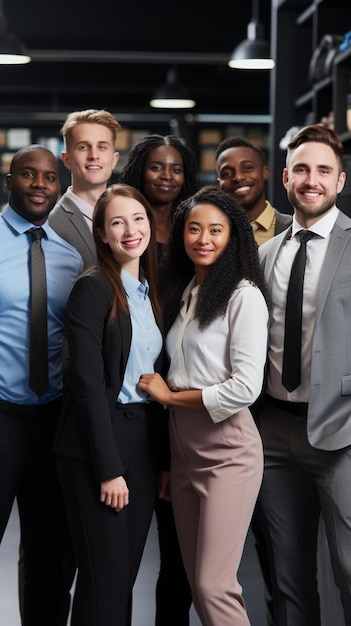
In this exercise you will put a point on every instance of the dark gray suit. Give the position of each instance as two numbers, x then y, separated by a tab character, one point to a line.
307	448
67	220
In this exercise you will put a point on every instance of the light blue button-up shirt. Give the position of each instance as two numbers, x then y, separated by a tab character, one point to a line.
146	339
63	265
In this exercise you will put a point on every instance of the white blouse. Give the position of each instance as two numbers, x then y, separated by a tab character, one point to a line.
226	359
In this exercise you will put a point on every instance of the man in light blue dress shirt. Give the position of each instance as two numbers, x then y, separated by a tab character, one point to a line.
27	420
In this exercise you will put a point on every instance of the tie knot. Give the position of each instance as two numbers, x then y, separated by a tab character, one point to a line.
36	233
305	235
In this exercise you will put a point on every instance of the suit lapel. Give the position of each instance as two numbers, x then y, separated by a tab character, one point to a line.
76	217
275	245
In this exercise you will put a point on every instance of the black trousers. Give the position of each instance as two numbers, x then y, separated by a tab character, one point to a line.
108	546
27	472
173	594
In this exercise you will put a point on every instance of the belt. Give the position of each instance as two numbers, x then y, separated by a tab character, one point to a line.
29	409
295	408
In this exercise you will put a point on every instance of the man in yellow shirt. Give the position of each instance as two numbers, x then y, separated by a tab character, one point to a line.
242	173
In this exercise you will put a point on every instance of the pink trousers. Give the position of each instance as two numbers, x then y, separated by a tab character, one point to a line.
216	473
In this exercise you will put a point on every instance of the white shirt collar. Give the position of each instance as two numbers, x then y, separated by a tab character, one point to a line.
322	227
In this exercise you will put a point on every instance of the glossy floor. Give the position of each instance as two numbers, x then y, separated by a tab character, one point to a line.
144	591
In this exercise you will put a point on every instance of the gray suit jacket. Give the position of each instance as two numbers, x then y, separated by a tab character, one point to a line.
283	220
67	220
329	408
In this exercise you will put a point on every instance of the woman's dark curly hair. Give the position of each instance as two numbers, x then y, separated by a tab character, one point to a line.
133	170
238	261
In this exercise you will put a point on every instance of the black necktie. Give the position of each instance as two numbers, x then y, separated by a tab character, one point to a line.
291	375
38	354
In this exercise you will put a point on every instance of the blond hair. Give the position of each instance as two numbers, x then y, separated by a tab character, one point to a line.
89	116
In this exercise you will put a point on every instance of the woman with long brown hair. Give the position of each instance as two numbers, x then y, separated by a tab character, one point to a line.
106	444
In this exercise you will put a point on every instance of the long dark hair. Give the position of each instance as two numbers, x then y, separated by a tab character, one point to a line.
109	266
238	261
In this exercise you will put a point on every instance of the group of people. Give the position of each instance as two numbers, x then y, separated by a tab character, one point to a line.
166	310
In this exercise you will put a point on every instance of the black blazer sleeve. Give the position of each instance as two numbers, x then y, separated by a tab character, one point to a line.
98	355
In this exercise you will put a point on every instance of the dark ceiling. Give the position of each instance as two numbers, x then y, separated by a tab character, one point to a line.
113	55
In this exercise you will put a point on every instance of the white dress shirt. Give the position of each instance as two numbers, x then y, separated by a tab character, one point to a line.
226	359
316	249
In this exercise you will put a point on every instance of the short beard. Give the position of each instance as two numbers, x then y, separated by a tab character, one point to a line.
305	210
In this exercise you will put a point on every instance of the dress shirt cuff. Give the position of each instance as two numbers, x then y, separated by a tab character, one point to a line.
210	400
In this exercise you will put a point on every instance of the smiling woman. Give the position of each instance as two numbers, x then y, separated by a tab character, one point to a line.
206	236
216	342
127	232
108	424
164	169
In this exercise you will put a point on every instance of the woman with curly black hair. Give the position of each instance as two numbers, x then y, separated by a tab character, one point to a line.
216	315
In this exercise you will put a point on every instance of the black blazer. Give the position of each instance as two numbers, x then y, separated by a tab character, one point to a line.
98	357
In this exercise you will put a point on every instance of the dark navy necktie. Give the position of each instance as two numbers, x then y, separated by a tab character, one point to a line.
38	354
291	374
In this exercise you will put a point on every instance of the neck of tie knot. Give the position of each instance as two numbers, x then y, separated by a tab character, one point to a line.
37	233
305	235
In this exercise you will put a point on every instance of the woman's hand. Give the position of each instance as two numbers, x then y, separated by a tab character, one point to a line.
155	386
115	493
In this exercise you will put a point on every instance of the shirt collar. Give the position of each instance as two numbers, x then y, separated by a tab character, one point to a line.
85	208
134	287
322	227
265	219
18	223
190	291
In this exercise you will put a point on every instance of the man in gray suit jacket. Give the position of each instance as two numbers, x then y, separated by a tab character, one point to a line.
90	155
306	430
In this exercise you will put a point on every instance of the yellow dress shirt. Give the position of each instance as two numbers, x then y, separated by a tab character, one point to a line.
264	226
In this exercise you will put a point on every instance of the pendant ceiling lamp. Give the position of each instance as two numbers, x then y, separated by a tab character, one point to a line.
254	52
172	94
12	51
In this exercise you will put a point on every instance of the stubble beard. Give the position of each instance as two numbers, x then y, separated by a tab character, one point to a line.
306	210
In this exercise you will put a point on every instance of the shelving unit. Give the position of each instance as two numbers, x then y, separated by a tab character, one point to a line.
297	29
342	80
202	133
